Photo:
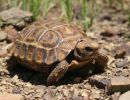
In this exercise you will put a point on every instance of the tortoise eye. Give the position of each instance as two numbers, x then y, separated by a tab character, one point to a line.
88	49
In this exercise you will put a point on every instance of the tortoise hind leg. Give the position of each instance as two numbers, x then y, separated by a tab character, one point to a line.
58	72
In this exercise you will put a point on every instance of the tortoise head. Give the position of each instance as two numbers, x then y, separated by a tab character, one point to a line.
86	49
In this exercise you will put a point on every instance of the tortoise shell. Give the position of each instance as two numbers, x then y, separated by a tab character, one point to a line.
44	43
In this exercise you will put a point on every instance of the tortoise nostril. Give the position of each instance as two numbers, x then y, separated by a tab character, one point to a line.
89	49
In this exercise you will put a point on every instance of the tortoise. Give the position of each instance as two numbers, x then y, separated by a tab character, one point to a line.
55	48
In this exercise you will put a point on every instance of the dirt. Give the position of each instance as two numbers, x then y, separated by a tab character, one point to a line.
110	29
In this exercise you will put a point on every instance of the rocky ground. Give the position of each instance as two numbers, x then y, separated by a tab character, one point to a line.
110	30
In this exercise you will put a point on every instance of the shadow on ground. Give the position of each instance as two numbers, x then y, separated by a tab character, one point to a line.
39	78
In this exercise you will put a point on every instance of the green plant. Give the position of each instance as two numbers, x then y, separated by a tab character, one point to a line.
46	7
14	3
35	7
129	19
24	4
110	2
32	6
4	4
67	10
88	13
121	3
84	9
1	22
84	12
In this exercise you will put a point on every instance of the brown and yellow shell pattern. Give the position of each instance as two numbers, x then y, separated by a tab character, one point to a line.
45	43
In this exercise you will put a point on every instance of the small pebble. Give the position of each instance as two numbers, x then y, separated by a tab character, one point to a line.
3	35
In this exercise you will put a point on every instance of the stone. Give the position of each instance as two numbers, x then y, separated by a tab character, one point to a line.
121	63
119	53
9	96
16	90
75	93
11	33
87	86
115	96
106	16
42	87
65	92
125	96
15	15
15	79
3	35
95	94
118	84
84	94
98	81
2	53
78	98
4	72
108	33
77	79
123	49
117	71
126	73
21	24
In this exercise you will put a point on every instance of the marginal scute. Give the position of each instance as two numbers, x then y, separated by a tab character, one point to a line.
40	55
17	48
30	52
23	51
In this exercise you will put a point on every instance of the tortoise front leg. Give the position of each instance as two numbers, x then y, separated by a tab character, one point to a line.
61	69
58	72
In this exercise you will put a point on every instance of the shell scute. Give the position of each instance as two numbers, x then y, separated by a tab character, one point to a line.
50	39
